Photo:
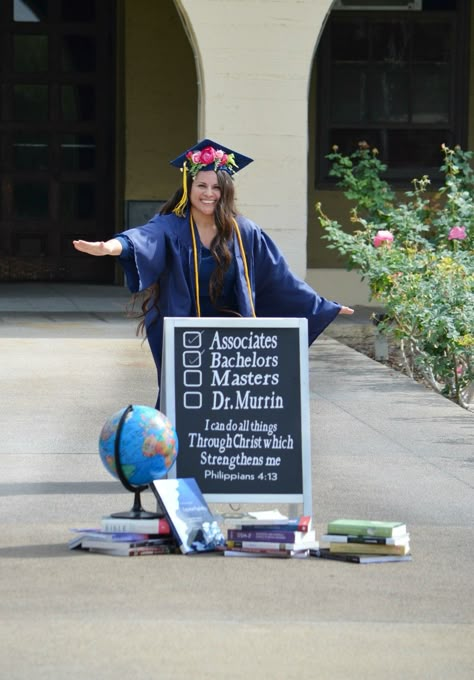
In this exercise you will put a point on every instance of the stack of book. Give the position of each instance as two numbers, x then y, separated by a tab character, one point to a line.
365	541
287	538
187	526
126	537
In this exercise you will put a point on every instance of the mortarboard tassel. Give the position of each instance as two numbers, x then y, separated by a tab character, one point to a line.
179	210
246	269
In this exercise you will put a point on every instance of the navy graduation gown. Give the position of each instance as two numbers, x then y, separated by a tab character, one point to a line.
163	253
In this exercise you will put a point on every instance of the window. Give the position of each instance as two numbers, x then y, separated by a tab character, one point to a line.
396	80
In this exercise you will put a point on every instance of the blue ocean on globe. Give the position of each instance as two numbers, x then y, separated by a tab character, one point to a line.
148	444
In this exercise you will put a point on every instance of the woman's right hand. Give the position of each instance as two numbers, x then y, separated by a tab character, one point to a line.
99	248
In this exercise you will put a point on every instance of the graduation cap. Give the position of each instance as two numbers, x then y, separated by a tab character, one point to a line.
207	155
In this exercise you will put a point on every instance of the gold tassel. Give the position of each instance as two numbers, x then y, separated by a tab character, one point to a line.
180	209
196	266
246	269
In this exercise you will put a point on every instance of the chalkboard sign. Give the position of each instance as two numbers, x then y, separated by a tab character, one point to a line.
236	391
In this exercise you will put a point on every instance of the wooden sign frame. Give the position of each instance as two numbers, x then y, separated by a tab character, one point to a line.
237	393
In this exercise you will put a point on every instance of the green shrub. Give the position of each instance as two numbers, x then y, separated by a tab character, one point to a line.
416	255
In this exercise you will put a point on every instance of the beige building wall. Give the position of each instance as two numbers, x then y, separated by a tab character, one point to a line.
254	61
159	95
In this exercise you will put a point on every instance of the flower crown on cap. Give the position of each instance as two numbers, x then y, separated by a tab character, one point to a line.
202	158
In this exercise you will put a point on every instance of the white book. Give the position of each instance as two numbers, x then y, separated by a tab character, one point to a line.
159	525
258	517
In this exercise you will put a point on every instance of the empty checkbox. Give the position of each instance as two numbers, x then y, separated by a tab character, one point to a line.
192	400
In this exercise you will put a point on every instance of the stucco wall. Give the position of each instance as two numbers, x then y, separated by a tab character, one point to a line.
160	94
255	58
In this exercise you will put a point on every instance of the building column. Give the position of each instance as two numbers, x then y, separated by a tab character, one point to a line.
254	62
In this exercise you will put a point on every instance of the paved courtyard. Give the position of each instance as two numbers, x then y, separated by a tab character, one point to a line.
382	447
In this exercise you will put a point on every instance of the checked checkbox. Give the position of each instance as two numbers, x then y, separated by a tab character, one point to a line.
192	339
191	359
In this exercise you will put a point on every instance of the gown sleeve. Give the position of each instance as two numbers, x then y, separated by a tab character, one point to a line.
143	259
279	293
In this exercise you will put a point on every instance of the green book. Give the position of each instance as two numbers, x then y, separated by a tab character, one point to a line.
362	527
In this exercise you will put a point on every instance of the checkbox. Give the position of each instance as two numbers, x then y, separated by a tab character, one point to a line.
191	359
192	400
192	339
192	378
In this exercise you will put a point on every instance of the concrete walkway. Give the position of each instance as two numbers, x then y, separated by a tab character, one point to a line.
382	447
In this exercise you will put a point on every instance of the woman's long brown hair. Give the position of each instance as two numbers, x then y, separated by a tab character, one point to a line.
224	215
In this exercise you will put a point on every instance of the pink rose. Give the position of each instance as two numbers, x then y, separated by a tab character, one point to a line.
196	157
457	233
223	160
383	237
219	154
208	155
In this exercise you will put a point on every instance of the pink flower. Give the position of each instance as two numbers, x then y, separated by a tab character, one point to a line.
383	237
457	233
208	155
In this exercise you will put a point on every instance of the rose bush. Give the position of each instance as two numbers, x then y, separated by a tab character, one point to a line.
417	256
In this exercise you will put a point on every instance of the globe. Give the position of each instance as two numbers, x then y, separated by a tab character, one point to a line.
147	445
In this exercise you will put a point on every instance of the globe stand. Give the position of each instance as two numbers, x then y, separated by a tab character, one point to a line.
137	511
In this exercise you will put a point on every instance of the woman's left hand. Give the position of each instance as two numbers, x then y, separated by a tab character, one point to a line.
346	310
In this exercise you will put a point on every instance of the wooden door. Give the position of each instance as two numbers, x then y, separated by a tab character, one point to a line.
57	103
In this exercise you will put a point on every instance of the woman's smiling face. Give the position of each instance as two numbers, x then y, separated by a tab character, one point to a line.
205	192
